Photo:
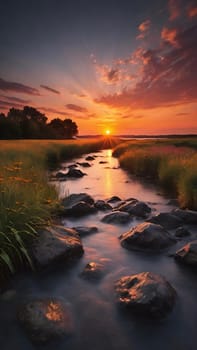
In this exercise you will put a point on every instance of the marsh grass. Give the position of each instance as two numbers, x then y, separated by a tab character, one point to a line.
27	200
170	163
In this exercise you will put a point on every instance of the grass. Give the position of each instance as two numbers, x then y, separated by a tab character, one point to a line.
27	201
172	163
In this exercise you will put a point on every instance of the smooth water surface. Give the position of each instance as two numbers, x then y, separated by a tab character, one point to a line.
99	323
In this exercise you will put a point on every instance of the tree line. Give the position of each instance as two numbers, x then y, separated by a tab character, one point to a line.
29	123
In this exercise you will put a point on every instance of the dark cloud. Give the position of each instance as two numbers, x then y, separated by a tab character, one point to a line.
76	108
15	99
8	105
174	7
182	114
17	87
52	110
48	88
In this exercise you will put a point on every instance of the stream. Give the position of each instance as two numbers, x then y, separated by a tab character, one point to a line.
99	322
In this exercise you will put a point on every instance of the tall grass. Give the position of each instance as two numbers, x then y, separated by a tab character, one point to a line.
170	163
27	201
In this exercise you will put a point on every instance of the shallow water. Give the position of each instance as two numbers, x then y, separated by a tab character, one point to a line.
99	323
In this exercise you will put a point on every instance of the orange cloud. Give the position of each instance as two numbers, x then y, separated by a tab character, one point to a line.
192	12
169	35
143	28
174	7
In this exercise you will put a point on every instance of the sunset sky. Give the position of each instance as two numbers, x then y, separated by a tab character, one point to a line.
129	66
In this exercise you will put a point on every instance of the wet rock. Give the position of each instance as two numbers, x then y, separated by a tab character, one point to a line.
114	199
93	271
72	166
102	205
75	198
188	216
117	217
147	294
103	162
45	319
136	208
188	254
146	236
80	209
88	158
60	175
76	173
182	232
56	244
168	220
85	164
84	230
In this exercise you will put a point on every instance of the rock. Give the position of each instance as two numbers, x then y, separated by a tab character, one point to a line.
182	232
60	175
146	236
102	205
80	209
188	216
173	201
56	244
136	208
188	254
75	198
89	158
168	220
84	231
78	205
146	293
93	271
85	164
114	199
72	172
117	217
103	162
72	166
45	319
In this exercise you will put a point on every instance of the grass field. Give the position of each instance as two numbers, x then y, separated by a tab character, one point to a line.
27	201
172	163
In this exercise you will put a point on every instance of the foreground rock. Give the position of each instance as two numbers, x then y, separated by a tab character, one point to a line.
187	216
117	217
102	205
93	271
75	198
56	244
146	293
80	209
188	254
114	199
136	208
146	236
45	319
84	230
168	220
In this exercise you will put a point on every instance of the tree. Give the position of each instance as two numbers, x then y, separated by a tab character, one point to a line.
71	128
63	128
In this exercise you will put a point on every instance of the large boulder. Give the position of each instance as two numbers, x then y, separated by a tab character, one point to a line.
146	236
80	209
117	217
168	220
45	319
136	208
75	198
56	244
102	205
78	204
188	254
146	293
187	216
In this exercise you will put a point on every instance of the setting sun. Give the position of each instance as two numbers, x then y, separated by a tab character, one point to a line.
107	132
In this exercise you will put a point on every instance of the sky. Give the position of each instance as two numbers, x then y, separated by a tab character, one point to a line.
128	66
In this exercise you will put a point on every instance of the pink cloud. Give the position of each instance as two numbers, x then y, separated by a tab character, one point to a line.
143	29
192	11
169	35
174	7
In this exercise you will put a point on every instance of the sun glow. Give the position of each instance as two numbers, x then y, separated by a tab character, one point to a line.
107	132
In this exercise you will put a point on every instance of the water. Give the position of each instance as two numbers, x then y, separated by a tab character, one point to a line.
99	323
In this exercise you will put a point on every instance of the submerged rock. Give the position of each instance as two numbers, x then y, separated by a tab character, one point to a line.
102	205
93	271
188	216
45	319
168	220
146	293
146	236
117	217
136	208
188	254
55	244
84	230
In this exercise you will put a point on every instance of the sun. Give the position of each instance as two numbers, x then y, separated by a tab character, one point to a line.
107	132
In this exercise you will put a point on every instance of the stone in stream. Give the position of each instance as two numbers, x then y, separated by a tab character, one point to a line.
85	230
61	175
90	158
76	173
147	237
187	216
45	319
93	271
168	220
114	199
147	294
56	244
117	217
136	208
72	166
102	205
182	232
77	205
75	198
188	254
103	162
84	164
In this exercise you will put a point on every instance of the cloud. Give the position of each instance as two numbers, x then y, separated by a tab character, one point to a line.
143	28
76	108
52	110
174	8
15	99
8	105
169	35
108	74
192	11
182	113
168	75
17	87
48	88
